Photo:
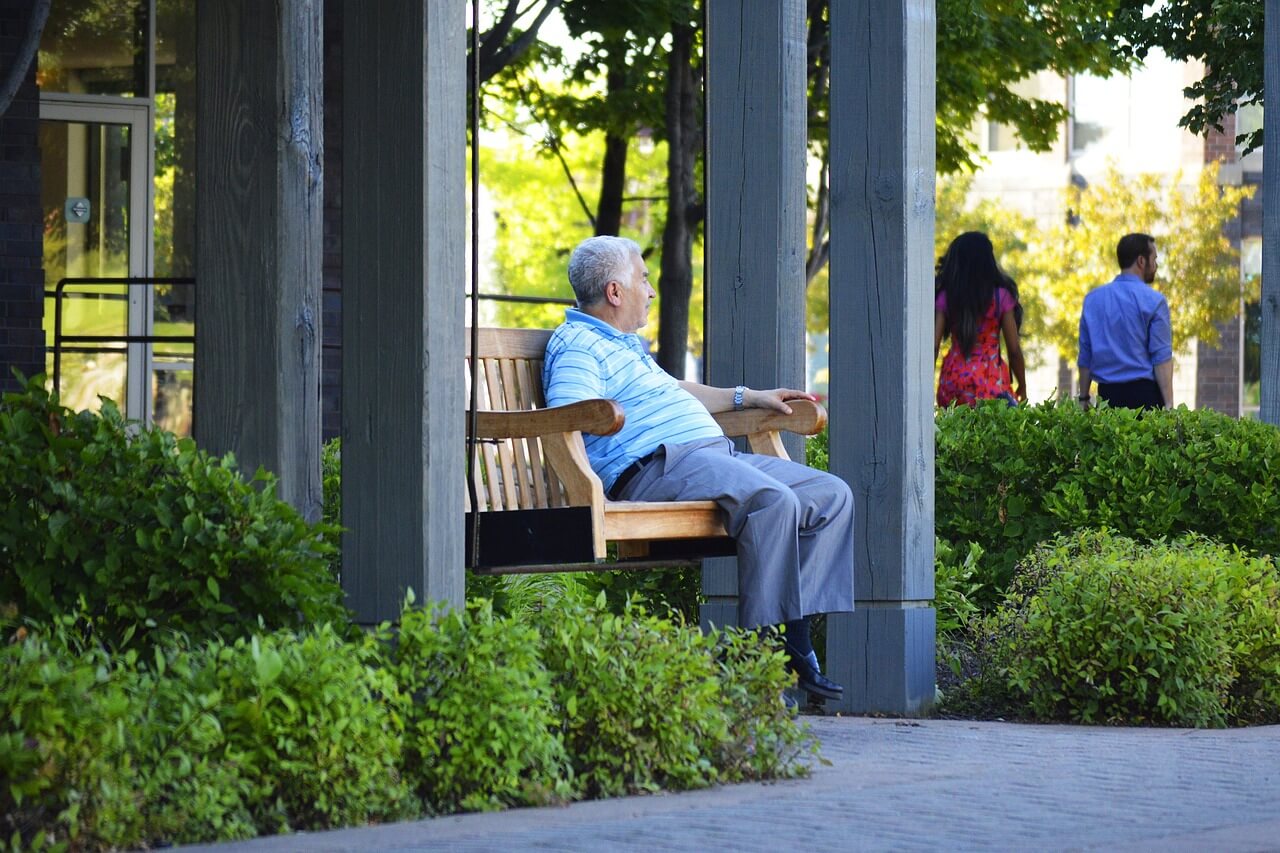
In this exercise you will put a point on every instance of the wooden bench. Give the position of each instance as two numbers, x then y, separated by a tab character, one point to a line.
542	508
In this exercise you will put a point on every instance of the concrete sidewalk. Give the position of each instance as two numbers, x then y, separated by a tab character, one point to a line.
907	785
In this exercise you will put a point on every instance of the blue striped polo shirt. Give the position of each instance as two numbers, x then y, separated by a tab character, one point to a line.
587	358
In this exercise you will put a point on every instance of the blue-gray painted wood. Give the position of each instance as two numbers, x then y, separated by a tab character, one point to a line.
755	178
1269	409
403	215
881	386
259	239
893	670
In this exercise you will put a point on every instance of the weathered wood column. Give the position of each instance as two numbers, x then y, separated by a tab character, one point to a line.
258	239
882	184
1269	409
403	211
755	216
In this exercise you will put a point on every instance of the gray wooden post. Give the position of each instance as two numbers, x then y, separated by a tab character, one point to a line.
1269	408
882	184
755	216
258	239
403	244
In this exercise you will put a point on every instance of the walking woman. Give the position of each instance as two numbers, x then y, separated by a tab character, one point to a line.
976	303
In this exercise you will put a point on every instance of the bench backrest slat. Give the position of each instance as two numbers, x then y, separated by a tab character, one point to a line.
512	473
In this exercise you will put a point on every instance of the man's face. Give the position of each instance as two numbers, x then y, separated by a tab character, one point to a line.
1150	263
634	296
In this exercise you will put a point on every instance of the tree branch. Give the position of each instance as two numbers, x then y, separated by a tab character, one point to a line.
821	220
26	53
552	141
516	49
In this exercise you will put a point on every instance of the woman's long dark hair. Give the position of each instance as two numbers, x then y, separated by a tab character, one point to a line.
969	275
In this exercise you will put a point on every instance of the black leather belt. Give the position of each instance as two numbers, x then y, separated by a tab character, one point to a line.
628	474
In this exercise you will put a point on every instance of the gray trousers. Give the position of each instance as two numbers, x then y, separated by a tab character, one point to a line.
793	525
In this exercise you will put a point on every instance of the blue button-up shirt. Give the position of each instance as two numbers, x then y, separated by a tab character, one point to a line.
1124	331
587	358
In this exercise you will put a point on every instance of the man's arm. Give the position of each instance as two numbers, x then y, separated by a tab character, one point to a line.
1086	380
1164	378
721	399
1160	348
1084	363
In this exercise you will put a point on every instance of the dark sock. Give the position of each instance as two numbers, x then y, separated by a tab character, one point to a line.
797	636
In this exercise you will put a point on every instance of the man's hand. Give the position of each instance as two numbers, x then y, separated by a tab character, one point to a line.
775	399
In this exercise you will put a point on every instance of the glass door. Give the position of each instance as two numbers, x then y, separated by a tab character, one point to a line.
96	200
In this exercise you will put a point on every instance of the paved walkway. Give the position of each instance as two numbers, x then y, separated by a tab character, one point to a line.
906	785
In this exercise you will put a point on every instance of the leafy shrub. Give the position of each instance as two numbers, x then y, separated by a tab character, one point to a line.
766	743
147	529
194	787
954	585
641	698
678	590
213	744
1010	477
1101	628
220	741
524	596
64	718
482	732
316	726
331	482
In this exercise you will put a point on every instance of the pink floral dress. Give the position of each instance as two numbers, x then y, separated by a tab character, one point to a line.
983	375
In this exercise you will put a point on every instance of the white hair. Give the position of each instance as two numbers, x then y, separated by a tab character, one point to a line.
597	261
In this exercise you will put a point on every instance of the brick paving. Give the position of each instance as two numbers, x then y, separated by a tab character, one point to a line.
912	785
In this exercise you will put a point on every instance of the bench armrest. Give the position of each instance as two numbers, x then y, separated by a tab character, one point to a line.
597	417
806	418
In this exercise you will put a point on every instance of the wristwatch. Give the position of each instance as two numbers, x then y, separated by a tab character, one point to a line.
738	391
1085	397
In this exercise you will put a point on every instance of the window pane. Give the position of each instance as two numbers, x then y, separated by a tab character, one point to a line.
1248	119
95	47
1100	113
175	139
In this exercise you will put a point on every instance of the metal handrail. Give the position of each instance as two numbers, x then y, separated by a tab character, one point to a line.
59	338
528	300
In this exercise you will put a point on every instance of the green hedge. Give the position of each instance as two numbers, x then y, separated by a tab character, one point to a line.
308	730
1011	477
1099	627
484	730
148	530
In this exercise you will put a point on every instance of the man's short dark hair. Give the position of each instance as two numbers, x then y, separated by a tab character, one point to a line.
1133	246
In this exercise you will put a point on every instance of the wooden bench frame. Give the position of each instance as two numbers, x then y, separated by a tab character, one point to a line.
531	457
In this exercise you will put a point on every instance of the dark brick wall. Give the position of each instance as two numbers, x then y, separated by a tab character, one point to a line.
331	364
1218	368
1218	371
1221	145
21	237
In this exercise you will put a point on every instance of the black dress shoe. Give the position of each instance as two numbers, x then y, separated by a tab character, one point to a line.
810	677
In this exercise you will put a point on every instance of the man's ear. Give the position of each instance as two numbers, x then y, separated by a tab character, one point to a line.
613	292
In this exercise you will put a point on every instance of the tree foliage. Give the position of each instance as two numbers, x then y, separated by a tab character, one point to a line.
986	47
1228	36
1199	270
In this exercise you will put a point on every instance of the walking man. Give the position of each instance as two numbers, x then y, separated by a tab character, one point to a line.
1126	343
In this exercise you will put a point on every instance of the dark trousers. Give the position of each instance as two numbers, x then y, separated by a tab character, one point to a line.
1138	394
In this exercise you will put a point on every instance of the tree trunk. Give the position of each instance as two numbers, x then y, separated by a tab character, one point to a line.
675	283
613	179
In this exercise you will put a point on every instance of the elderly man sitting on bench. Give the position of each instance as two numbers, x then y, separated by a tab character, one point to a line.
793	525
